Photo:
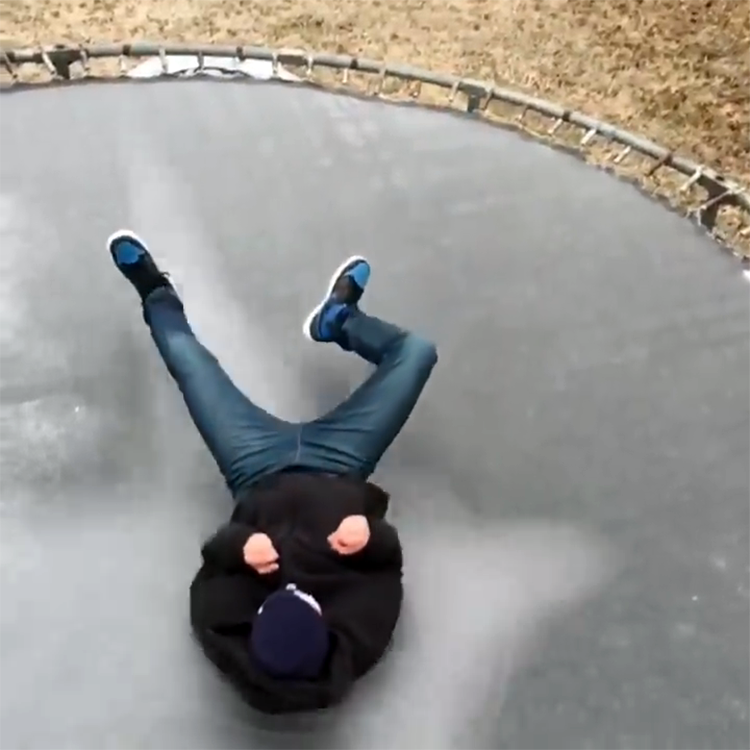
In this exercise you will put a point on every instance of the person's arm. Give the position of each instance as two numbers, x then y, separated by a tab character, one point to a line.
224	550
383	550
363	619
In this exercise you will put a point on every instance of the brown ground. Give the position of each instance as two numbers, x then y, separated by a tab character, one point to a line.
677	71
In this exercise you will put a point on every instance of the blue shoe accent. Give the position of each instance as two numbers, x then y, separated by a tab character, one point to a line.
344	292
360	274
127	252
132	258
328	321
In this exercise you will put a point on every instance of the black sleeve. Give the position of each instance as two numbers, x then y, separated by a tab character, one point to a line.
384	548
224	550
364	618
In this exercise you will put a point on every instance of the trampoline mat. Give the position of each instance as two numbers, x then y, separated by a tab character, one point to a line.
572	489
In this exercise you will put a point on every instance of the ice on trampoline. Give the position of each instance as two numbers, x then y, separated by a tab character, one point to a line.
562	589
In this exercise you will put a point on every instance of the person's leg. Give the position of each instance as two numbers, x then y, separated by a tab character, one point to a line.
246	442
352	438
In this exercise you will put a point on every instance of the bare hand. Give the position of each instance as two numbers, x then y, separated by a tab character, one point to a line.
260	554
351	536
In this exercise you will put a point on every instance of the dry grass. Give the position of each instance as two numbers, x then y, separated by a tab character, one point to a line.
677	71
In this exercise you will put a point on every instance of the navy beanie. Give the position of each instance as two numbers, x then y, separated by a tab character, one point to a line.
289	637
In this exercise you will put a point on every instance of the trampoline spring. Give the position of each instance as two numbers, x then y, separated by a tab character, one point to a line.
521	116
622	155
693	179
49	64
309	65
555	126
725	196
84	59
8	65
381	80
122	64
662	162
452	95
589	137
416	90
163	60
345	77
201	61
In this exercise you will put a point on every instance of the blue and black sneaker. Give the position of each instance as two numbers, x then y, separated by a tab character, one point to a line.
134	261
344	292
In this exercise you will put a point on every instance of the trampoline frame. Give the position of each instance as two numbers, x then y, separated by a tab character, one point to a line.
604	144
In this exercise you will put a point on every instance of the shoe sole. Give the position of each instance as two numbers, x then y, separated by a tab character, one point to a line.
124	234
331	284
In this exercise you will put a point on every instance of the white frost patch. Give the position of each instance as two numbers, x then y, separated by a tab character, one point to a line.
11	264
164	215
41	437
215	67
39	430
481	600
19	338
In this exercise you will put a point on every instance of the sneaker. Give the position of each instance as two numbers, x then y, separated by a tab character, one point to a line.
344	292
132	258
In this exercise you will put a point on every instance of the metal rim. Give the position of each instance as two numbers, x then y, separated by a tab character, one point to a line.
72	63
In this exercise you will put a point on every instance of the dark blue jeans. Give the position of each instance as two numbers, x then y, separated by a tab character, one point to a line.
248	443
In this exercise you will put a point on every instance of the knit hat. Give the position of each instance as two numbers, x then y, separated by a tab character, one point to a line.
289	637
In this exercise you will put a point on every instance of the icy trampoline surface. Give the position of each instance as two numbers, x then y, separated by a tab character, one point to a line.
572	491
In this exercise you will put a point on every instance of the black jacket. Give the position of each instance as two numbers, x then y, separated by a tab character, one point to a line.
360	594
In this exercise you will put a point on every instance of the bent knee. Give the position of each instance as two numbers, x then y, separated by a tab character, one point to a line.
421	350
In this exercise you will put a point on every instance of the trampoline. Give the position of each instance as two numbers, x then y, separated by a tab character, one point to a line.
572	491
